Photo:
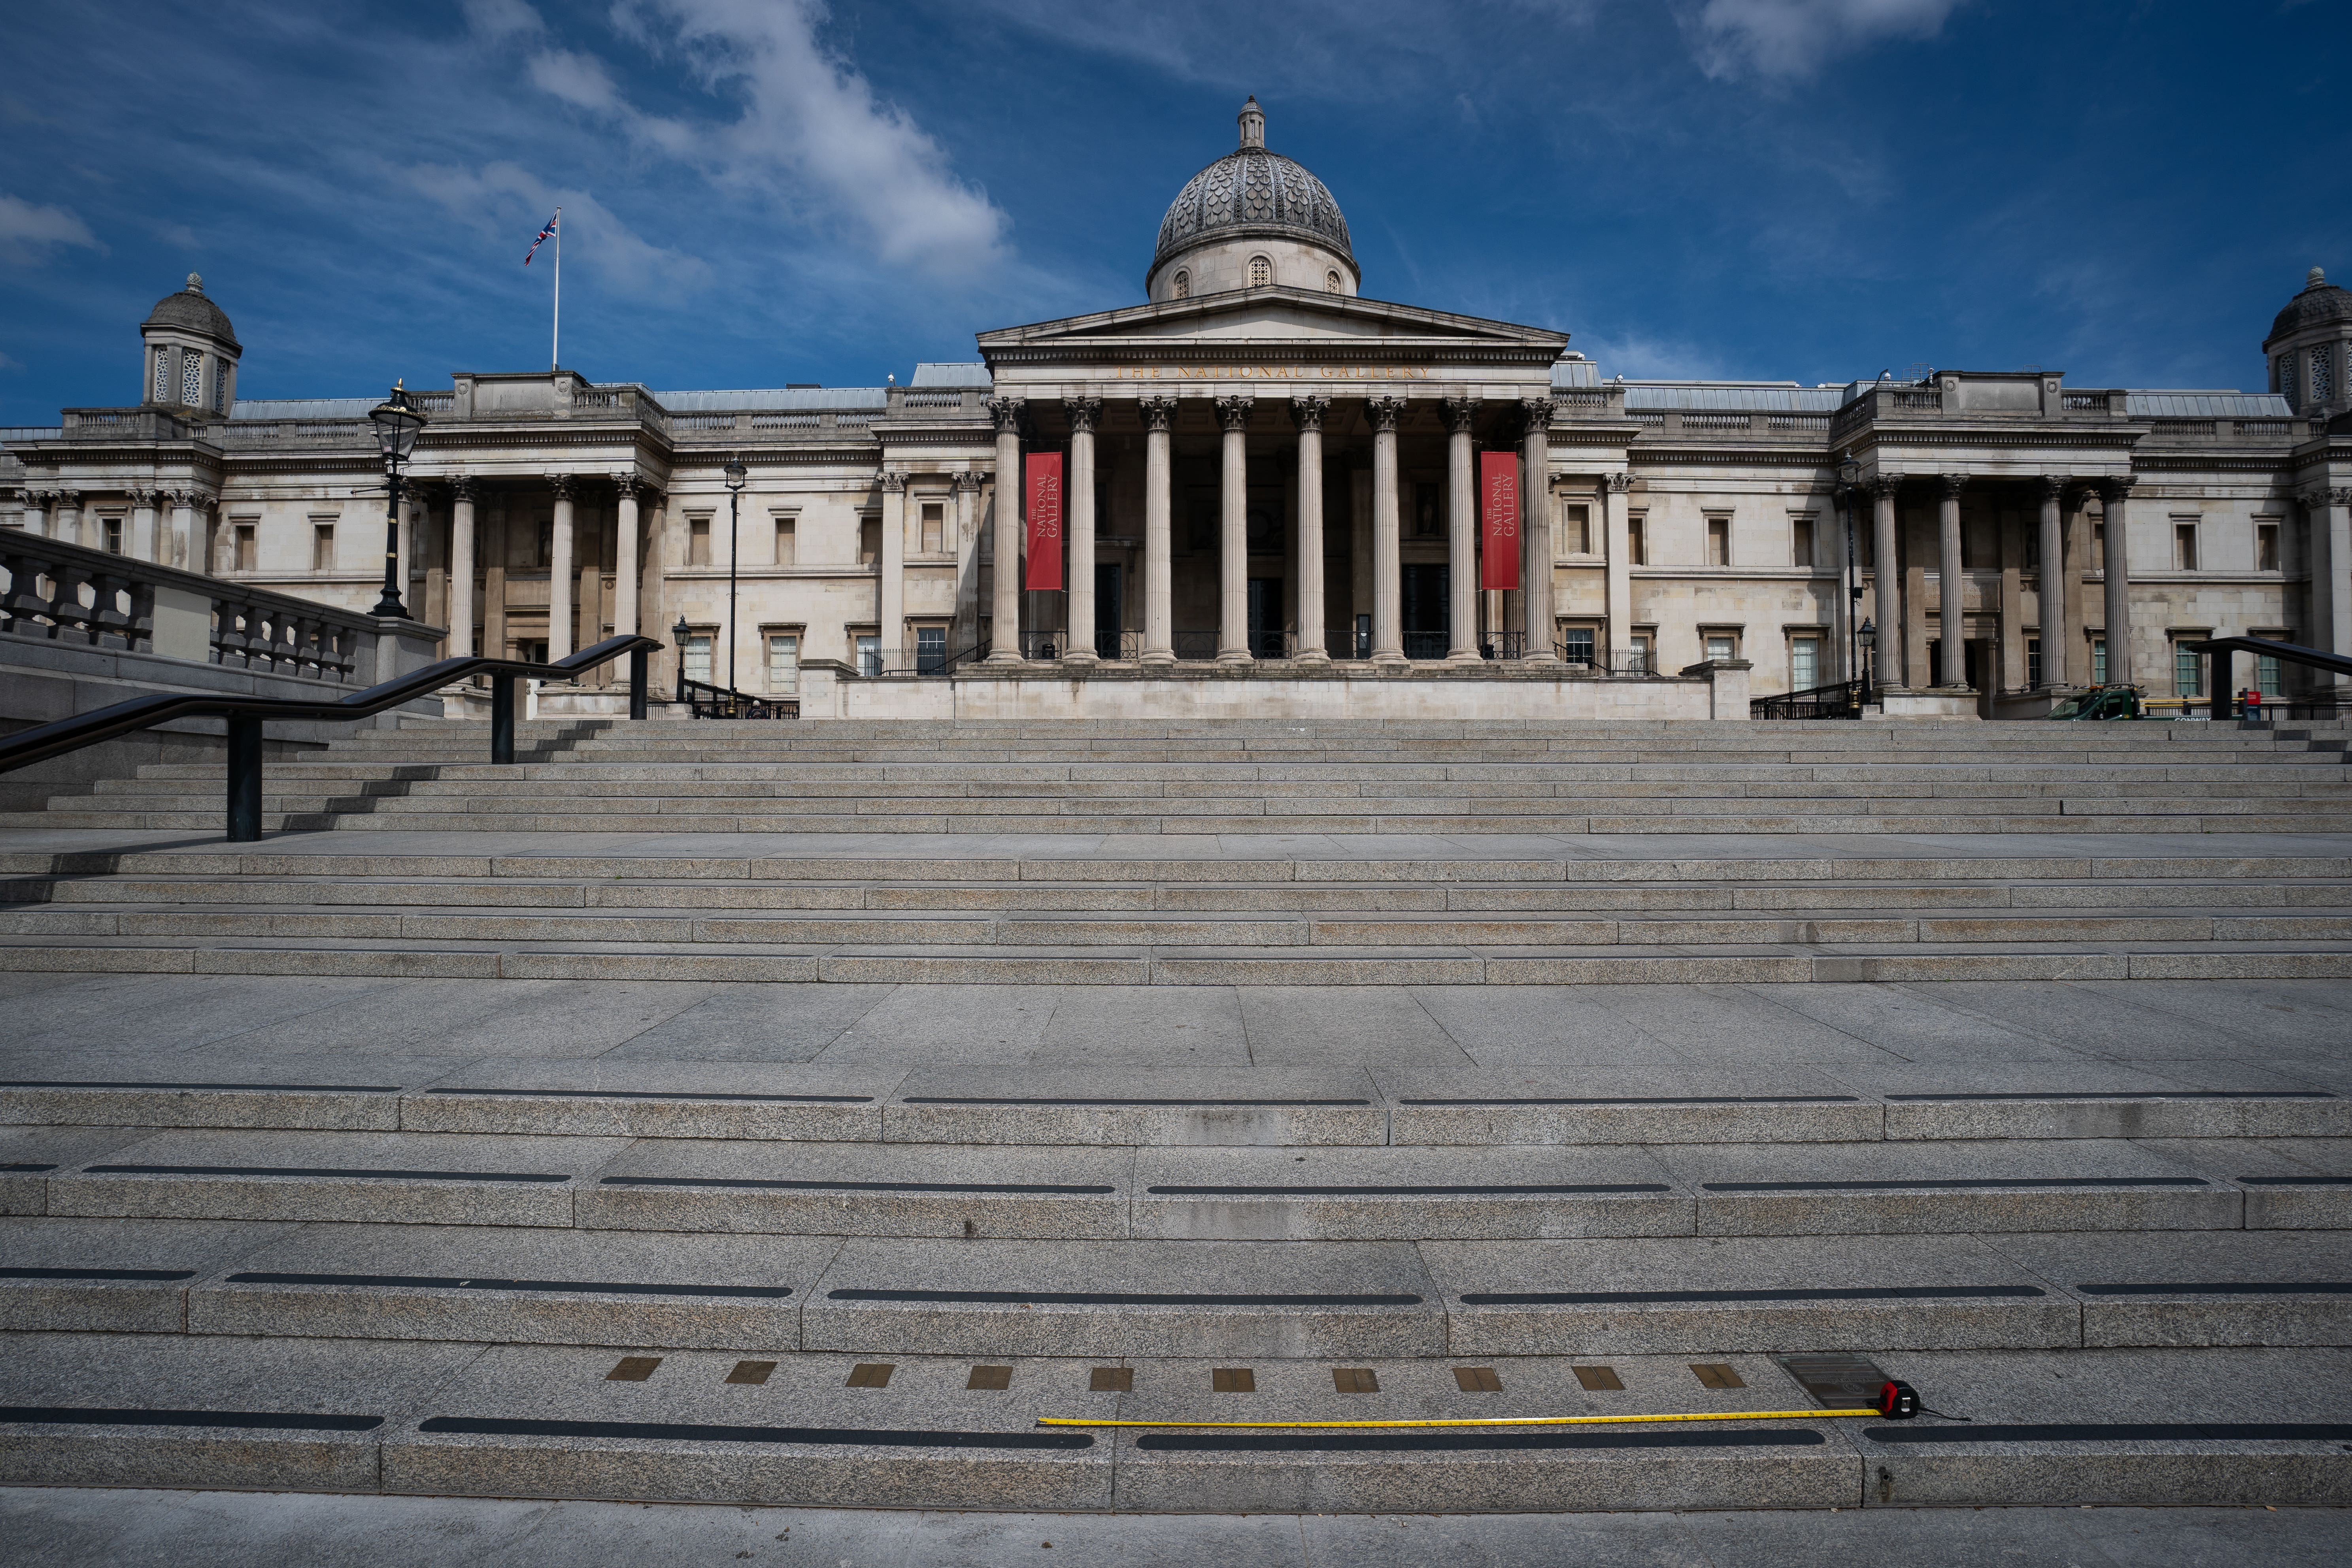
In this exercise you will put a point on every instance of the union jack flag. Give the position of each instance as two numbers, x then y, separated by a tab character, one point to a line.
542	236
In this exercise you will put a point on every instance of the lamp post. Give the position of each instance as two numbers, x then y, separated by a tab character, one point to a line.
397	423
1850	471
679	633
1866	638
736	474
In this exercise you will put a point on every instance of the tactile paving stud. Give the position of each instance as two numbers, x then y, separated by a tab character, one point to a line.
1111	1380
752	1371
1233	1380
1478	1380
990	1377
1716	1374
1355	1380
871	1375
634	1369
1600	1379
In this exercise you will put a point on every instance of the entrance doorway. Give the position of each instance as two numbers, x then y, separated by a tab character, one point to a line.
1427	624
1107	609
1265	617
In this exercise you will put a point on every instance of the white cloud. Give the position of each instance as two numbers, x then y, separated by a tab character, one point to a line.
811	127
507	200
578	79
1791	40
502	18
28	234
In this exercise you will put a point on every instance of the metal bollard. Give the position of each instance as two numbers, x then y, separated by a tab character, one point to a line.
502	717
636	683
244	778
2224	670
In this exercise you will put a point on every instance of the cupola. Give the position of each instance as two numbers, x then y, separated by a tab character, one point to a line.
190	354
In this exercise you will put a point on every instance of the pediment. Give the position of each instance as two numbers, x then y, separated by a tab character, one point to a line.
1268	317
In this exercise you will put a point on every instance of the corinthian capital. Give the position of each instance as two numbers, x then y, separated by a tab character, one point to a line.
561	484
1617	484
894	481
144	501
628	483
1951	485
2051	486
969	479
1234	413
1883	485
2117	488
1083	413
1306	410
464	489
1005	413
1159	413
1536	414
1460	414
1384	412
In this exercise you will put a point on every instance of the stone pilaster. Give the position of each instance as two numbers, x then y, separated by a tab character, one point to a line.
1615	490
891	596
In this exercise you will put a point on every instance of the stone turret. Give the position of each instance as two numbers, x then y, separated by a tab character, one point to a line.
190	354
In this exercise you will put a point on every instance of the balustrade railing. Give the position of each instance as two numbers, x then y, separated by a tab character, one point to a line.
66	594
1843	701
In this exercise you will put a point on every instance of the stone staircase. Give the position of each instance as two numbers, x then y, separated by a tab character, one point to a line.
785	1284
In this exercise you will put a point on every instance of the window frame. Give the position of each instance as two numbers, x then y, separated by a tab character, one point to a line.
769	636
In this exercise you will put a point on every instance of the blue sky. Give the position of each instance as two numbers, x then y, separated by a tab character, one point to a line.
763	191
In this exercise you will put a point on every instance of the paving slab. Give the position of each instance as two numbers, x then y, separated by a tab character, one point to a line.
30	1156
1688	1104
2290	1183
648	1099
1130	1297
114	1276
2219	1287
1755	1293
1114	1105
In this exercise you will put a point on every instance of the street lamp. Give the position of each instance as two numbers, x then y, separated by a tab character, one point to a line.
679	633
736	473
397	423
1867	638
1848	474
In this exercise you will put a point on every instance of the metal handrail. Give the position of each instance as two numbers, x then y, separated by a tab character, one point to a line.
726	702
247	714
1839	699
2221	676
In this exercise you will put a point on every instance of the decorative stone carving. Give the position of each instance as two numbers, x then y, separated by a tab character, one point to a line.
1617	484
2117	488
464	489
1460	414
1306	410
894	481
629	484
1234	413
1535	413
1083	413
1882	484
2051	486
1951	484
1006	413
1159	413
561	484
969	479
1384	412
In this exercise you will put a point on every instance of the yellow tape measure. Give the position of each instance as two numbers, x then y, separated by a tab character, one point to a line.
1471	1421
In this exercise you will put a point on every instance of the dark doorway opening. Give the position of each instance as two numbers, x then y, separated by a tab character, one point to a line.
1427	628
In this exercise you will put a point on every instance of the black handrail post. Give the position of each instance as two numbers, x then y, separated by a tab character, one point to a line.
2224	671
502	717
636	683
244	778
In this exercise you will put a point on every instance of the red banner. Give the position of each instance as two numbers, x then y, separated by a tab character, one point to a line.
1045	521
1498	520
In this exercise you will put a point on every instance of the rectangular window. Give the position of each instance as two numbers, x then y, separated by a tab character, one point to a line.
2034	664
1718	541
698	542
869	652
1576	530
1645	653
1722	644
546	545
245	549
930	650
697	654
783	664
109	532
2029	548
322	547
163	375
1800	542
2266	554
1576	643
1804	663
869	541
2099	661
935	524
1428	511
1637	542
788	544
2184	547
2187	672
2266	674
2098	547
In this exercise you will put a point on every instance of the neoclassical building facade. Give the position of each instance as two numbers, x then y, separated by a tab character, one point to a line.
1269	480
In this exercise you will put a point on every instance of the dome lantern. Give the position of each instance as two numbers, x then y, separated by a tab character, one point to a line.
190	354
2310	349
1252	219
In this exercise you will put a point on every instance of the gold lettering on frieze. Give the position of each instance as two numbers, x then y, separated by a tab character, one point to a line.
1274	373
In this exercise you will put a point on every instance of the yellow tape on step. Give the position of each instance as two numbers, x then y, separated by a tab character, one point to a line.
1469	1421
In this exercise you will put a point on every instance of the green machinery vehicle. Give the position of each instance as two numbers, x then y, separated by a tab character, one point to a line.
2102	703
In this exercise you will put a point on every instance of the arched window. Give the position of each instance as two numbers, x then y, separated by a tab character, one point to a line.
1331	284
1182	286
1261	271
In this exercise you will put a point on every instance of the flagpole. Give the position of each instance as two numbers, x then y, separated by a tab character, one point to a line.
555	343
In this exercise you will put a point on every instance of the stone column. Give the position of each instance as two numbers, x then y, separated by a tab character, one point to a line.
461	566
625	555
1004	600
966	628
37	510
1462	514
1535	529
143	543
2053	587
2114	496
1159	643
1887	582
1951	588
1614	490
1233	533
1306	411
412	518
71	527
1388	564
890	600
1078	501
559	572
2331	566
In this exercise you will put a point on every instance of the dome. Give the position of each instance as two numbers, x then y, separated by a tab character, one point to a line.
192	312
1250	192
2320	304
